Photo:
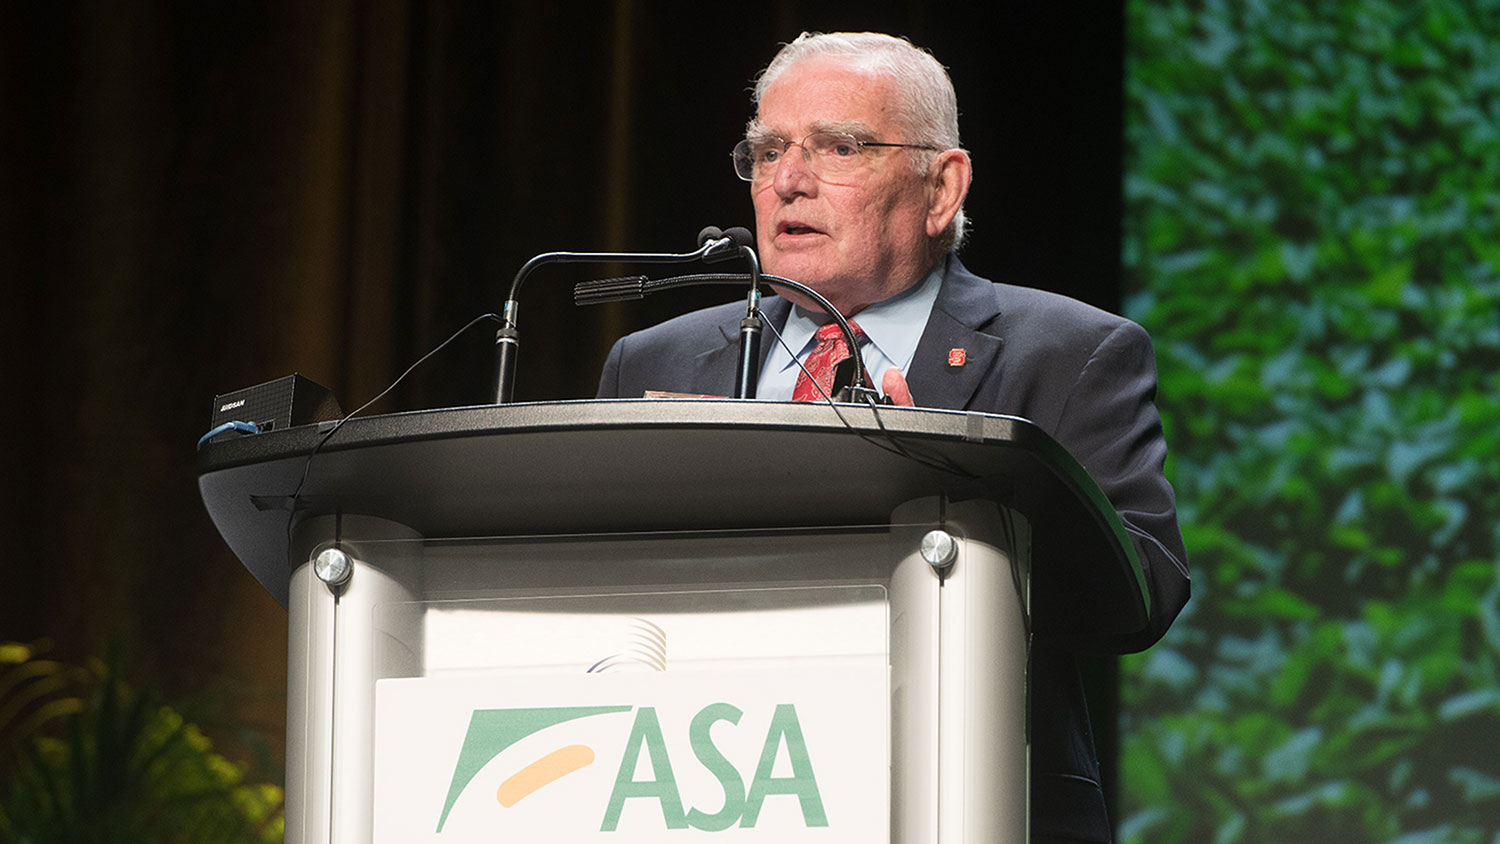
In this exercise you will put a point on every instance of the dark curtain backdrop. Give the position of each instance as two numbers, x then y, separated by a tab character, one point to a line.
198	197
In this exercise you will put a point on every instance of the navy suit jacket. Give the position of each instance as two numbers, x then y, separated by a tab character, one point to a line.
1084	376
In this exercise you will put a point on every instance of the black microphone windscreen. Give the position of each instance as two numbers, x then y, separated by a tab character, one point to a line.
709	233
740	235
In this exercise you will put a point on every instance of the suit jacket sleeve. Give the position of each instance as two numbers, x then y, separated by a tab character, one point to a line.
609	379
1109	421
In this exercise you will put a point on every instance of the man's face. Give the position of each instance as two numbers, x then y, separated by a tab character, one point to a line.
865	238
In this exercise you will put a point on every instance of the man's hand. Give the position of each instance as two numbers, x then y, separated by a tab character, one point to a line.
894	385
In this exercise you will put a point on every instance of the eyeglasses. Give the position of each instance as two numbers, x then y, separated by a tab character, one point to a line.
828	154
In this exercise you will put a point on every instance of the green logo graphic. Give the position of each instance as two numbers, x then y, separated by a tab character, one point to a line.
491	731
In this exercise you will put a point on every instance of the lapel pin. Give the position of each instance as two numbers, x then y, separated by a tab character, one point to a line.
956	357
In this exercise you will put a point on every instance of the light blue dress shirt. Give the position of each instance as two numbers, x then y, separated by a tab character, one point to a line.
892	328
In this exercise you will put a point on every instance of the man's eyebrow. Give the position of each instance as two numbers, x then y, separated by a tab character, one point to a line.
858	129
758	131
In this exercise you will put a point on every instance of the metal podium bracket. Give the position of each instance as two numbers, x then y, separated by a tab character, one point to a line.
939	549
333	567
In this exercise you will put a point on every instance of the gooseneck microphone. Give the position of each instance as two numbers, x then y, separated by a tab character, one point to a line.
713	245
747	367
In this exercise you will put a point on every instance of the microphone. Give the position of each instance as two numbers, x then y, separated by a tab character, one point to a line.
741	236
719	246
727	244
747	367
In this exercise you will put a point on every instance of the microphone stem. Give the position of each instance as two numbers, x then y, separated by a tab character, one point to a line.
747	372
507	344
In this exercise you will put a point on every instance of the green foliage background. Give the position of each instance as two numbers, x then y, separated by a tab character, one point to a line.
1313	227
87	759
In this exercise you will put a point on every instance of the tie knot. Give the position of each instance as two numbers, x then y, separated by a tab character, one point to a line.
829	331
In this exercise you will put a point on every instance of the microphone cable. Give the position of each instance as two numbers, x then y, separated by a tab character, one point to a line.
323	439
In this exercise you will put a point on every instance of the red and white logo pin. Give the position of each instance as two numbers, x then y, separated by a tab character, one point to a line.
956	357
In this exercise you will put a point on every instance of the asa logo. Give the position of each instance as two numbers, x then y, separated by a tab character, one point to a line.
491	731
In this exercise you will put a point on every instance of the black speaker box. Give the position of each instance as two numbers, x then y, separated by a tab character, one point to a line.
282	403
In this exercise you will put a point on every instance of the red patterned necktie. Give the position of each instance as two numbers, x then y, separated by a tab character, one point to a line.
822	361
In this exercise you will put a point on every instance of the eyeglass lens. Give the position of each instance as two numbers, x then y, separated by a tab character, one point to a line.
826	153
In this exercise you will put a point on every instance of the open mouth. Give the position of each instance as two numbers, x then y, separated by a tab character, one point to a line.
796	229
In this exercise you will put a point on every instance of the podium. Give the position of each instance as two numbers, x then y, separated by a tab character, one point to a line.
637	620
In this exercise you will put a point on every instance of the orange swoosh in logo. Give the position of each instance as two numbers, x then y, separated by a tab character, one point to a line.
555	765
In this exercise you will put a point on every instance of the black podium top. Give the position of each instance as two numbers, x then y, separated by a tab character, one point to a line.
647	465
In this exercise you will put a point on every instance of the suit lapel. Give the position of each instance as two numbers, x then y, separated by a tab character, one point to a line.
714	370
962	317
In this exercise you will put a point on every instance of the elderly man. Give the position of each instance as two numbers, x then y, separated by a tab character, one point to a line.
858	182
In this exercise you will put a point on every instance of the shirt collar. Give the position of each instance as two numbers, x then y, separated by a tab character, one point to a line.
893	326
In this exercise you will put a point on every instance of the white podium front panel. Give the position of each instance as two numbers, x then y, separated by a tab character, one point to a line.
736	685
783	685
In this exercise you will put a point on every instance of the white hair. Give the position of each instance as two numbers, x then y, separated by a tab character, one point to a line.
928	109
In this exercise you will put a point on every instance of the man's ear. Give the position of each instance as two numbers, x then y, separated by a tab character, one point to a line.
947	185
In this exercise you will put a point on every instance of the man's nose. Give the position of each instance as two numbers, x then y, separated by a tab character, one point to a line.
794	173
